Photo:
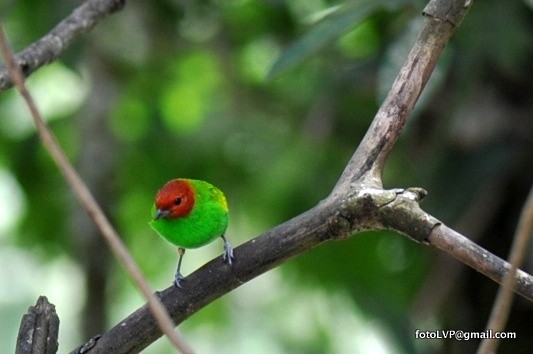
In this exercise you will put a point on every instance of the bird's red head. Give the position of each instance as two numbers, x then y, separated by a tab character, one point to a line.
174	200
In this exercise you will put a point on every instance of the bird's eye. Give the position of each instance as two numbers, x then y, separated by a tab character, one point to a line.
177	201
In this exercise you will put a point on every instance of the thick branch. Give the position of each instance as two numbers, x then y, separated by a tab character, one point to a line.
405	216
363	209
216	278
50	47
39	329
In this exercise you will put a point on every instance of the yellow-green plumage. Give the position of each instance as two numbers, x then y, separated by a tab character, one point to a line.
190	213
207	220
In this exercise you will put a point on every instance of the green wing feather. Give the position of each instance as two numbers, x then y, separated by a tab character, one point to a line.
207	220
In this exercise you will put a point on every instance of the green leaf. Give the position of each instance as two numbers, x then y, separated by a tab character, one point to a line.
337	23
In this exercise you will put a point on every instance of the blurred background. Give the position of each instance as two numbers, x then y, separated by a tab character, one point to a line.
179	88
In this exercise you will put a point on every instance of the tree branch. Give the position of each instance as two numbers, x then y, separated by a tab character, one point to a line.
39	329
216	278
50	47
468	252
366	165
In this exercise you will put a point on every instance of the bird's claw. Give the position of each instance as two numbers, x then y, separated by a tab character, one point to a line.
178	279
228	253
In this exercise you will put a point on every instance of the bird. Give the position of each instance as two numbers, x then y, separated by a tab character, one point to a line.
190	213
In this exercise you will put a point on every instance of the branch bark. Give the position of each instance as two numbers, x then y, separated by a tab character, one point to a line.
468	252
39	329
50	47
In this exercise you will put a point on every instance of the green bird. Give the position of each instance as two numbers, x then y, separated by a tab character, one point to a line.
191	213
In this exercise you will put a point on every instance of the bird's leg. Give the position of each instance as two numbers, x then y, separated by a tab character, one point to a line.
228	251
179	278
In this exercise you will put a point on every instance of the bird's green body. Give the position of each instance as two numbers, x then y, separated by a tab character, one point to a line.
206	221
191	213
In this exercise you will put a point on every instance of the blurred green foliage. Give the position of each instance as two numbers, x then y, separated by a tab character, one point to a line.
192	99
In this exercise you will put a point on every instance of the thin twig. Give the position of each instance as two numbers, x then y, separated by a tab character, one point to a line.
87	200
504	298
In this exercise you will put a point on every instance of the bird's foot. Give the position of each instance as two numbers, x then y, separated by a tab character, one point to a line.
178	279
228	252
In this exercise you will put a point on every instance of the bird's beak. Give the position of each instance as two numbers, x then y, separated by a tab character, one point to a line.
161	213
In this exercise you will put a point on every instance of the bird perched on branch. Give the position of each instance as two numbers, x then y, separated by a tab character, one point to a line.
191	213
